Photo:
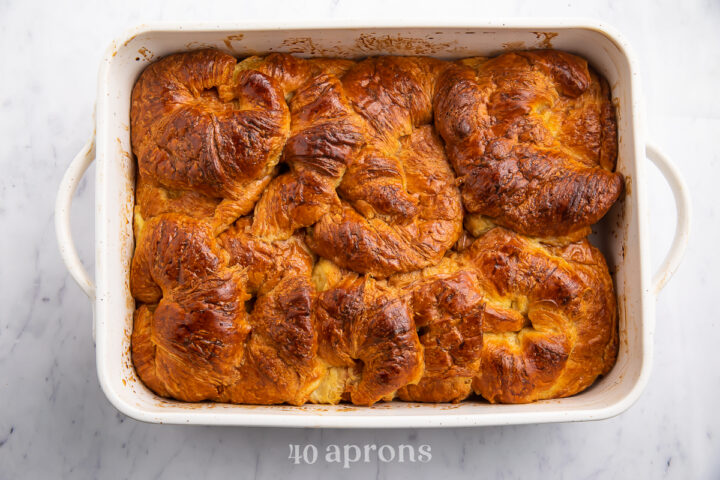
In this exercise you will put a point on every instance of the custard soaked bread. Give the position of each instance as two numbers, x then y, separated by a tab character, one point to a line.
327	230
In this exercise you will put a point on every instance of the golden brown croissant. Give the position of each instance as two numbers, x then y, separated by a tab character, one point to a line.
532	138
368	174
194	338
299	228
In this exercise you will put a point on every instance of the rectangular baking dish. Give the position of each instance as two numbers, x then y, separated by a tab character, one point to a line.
622	234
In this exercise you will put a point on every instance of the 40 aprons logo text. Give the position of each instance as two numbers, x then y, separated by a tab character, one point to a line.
349	454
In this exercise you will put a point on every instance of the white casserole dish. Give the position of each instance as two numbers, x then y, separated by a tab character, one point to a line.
622	235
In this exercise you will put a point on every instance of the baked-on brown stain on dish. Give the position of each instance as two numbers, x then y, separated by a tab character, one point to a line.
299	228
545	39
146	54
232	38
374	43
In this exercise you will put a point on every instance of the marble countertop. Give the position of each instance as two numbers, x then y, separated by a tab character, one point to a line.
55	420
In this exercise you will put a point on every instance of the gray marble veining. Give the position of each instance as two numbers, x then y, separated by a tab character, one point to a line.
55	421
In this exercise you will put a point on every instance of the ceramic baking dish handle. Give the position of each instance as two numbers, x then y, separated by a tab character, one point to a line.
682	229
68	185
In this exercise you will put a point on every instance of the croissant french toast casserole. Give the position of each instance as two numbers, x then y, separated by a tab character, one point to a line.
330	230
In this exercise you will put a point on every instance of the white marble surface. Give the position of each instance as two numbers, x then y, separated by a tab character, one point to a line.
56	422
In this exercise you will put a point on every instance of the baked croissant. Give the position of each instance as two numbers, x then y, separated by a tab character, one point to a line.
368	175
327	230
533	139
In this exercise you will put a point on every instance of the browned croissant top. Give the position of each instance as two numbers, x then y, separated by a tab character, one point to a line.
326	230
532	138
